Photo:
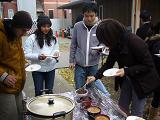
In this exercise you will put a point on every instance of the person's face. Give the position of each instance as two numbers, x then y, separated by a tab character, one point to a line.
45	28
19	32
89	17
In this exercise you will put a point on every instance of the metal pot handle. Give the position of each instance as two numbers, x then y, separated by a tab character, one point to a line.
59	114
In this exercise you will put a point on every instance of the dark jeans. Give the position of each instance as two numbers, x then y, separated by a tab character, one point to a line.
81	74
39	78
129	97
156	99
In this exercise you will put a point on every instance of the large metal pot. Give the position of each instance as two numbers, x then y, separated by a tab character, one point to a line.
50	107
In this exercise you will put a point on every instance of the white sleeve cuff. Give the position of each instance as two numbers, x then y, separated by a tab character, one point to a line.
3	76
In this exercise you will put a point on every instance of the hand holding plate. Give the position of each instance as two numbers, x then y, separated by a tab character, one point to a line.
42	57
56	55
120	72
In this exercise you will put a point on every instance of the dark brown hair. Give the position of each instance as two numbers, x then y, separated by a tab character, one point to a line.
22	19
90	7
145	16
109	32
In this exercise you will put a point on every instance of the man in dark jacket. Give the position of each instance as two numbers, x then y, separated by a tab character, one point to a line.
146	29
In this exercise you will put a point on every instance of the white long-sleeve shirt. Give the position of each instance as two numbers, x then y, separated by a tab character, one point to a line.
32	51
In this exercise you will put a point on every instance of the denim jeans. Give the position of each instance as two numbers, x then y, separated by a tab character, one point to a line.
39	78
128	96
81	74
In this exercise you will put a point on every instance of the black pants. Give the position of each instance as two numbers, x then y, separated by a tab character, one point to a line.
156	99
39	78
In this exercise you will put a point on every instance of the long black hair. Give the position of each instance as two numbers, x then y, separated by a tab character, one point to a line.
48	38
110	32
40	36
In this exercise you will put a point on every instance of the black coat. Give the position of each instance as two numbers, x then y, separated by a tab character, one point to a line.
146	30
133	55
154	48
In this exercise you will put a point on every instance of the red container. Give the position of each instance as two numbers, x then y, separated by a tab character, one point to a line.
86	101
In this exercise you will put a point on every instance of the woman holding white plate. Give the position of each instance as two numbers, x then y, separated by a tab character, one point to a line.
137	75
42	48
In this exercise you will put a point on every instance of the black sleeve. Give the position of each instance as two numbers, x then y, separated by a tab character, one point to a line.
108	64
142	56
140	33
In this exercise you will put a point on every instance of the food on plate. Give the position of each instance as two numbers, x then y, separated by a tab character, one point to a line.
94	109
81	91
102	117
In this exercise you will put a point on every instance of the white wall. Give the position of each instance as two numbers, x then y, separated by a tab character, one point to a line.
29	6
58	24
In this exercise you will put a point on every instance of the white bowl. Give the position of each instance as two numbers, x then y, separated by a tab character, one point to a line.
81	95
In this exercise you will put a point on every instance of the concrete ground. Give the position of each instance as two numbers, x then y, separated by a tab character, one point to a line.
60	85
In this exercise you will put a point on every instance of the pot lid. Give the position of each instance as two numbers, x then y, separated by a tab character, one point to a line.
47	105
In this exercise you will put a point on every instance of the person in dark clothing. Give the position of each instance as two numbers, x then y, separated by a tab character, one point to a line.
157	28
145	32
146	29
136	72
154	47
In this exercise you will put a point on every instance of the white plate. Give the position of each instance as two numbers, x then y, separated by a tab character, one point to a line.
157	55
33	67
110	72
97	47
134	118
105	53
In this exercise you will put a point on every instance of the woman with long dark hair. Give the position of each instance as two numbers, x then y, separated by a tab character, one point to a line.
136	76
42	48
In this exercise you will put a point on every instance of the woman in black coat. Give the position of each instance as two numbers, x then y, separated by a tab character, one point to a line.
136	75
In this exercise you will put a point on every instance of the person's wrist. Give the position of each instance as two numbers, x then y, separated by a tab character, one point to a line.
3	76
